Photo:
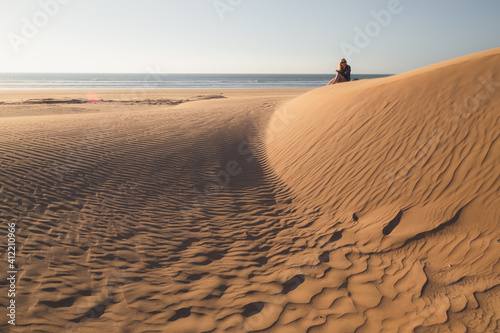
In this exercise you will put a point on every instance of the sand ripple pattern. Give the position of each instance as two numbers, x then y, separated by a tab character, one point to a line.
354	208
143	219
408	167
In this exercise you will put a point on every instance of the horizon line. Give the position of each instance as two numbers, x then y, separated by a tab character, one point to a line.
190	73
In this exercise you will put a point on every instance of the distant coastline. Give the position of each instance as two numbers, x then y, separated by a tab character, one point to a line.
27	81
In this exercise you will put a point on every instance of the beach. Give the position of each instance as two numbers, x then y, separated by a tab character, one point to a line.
367	206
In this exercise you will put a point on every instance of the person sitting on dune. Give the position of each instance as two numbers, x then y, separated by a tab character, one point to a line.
343	73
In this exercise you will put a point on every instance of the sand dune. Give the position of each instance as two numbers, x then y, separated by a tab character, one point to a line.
408	169
369	206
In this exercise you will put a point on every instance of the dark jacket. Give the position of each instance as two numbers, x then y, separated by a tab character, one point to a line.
346	72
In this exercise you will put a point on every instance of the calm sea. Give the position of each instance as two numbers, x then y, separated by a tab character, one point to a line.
9	81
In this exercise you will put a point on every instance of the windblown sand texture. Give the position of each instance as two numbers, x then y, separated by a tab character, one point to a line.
369	206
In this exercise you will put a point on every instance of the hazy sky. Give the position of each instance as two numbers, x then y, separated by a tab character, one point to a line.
241	36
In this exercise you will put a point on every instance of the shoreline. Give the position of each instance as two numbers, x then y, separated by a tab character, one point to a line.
102	81
19	96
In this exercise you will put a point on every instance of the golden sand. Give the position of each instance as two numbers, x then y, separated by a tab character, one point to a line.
369	206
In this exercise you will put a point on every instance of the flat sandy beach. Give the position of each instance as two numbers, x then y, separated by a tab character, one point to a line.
368	206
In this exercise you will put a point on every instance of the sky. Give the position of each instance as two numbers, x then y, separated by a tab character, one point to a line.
241	36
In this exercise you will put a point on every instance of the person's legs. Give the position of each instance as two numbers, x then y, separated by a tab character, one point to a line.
338	78
341	78
334	80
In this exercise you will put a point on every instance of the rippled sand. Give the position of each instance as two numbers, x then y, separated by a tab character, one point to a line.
369	206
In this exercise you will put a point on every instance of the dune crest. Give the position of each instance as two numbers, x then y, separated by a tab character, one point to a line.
408	168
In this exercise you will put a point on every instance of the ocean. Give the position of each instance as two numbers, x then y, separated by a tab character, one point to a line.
11	81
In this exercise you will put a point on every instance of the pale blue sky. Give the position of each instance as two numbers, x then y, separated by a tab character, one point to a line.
254	36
